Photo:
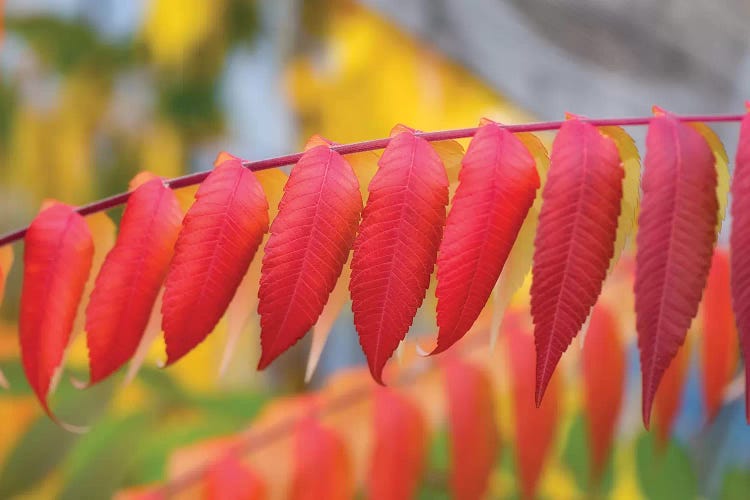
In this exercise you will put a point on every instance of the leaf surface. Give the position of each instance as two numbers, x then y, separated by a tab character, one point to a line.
397	244
229	479
719	348
474	437
399	447
677	230
57	262
575	239
498	183
309	245
323	467
604	382
131	276
219	237
668	397
535	428
740	249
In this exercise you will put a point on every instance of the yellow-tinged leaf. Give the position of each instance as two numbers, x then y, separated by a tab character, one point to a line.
144	349
339	296
365	164
518	264
174	29
631	183
451	153
722	167
6	261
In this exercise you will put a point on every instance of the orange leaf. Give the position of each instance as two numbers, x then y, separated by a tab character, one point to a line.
230	479
57	262
535	428
397	244
575	239
323	467
677	230
475	443
604	382
399	447
668	397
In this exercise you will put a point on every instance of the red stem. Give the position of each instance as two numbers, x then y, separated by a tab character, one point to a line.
358	147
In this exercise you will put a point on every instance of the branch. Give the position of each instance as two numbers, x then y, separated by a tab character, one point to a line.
358	147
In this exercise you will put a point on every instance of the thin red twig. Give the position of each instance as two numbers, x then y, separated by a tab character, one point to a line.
358	147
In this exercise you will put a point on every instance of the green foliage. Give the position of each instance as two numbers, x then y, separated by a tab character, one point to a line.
664	474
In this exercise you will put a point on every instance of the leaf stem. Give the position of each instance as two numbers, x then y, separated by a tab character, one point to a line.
375	144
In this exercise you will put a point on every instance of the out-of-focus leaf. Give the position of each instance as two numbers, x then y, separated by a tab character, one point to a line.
736	485
664	476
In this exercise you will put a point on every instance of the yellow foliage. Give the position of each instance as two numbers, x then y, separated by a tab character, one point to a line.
162	151
174	29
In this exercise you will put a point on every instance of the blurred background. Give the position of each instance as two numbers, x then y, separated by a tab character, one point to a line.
94	91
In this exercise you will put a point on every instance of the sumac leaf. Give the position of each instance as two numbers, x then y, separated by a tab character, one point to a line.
498	183
397	244
399	446
474	436
323	467
740	249
668	398
309	244
677	229
219	237
719	335
604	382
131	276
575	239
57	262
230	479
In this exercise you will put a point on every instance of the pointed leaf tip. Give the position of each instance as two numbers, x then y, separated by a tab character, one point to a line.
575	240
396	248
498	183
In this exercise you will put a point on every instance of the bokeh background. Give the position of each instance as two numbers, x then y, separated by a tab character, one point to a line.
93	91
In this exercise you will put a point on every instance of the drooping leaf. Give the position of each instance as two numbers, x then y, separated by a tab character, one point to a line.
399	447
677	229
719	350
631	185
323	468
604	382
309	244
721	162
396	248
575	239
150	334
131	276
57	262
668	398
219	237
498	183
535	427
740	249
474	439
518	264
230	479
6	261
244	305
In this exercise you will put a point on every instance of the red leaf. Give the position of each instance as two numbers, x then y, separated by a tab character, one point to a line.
309	245
399	447
575	239
230	479
323	468
498	183
719	349
668	398
535	426
740	251
604	382
474	438
130	278
397	245
219	237
57	262
677	229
